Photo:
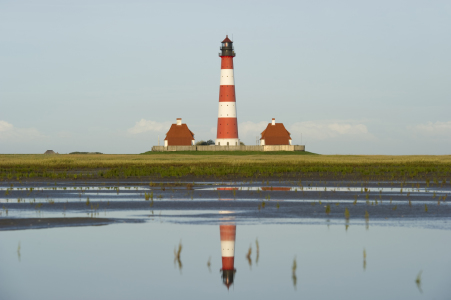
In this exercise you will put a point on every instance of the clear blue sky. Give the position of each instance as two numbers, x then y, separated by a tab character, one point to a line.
353	77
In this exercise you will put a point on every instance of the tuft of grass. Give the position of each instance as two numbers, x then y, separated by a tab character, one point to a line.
328	209
346	213
87	201
367	215
148	196
425	208
277	205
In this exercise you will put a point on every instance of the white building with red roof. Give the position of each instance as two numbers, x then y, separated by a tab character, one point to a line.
179	135
275	134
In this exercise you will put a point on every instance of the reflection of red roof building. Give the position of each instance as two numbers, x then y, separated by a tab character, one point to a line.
227	189
179	135
276	188
275	134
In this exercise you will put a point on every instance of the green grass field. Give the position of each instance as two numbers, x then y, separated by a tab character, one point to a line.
222	166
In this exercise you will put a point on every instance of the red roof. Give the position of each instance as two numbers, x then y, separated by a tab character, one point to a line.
227	40
179	135
276	135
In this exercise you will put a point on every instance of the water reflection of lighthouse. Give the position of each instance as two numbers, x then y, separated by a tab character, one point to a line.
228	234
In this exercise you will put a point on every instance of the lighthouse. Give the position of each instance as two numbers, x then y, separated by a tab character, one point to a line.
227	134
228	234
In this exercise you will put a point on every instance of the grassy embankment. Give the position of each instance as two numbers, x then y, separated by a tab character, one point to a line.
232	153
223	166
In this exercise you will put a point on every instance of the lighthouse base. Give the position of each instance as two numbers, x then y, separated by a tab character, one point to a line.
227	142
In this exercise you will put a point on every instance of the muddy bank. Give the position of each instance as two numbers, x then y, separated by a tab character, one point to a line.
40	223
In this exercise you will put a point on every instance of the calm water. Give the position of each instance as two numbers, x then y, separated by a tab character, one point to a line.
136	261
217	224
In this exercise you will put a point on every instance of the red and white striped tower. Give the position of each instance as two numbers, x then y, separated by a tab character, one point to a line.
227	134
228	234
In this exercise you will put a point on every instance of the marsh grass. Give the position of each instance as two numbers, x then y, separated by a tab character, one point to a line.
87	167
148	196
328	209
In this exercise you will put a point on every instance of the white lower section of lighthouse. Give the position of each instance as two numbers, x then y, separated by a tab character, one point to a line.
227	142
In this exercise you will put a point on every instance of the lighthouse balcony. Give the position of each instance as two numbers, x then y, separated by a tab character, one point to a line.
227	53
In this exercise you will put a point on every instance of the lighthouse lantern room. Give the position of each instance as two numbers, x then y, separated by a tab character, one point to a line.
227	129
